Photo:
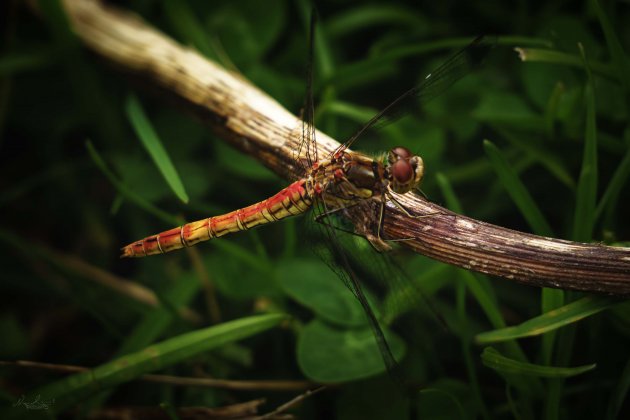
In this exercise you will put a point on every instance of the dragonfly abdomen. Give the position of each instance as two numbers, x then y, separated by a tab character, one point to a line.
291	201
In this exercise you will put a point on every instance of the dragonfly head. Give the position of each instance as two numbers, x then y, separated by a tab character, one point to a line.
405	170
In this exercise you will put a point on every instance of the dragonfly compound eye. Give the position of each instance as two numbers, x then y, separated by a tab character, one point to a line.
402	171
406	174
398	153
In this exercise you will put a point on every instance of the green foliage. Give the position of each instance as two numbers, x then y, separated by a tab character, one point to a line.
494	360
557	164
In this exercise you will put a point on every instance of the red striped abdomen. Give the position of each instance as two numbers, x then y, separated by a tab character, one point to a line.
291	201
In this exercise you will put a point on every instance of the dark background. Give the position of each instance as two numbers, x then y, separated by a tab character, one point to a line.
60	213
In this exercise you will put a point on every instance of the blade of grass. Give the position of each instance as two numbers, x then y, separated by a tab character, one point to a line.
586	194
126	191
517	191
617	53
551	299
71	264
611	195
233	249
555	387
553	164
565	59
486	300
152	326
620	393
150	140
466	352
73	389
551	111
187	26
59	23
92	99
566	315
504	365
405	51
452	202
28	61
363	17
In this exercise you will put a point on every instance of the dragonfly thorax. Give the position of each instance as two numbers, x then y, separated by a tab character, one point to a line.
404	170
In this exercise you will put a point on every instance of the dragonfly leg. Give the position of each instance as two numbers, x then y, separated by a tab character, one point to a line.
377	243
323	219
407	212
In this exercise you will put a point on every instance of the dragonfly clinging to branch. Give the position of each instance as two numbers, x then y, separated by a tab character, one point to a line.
344	184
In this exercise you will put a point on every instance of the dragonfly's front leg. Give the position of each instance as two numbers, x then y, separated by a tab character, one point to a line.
377	243
389	196
398	204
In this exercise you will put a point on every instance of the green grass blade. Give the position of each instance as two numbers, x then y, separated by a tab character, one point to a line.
154	324
611	195
504	365
551	299
59	23
620	393
355	113
187	26
554	165
452	202
471	369
482	294
367	16
517	190
566	59
586	194
11	64
150	140
619	57
488	303
126	191
566	315
551	111
73	389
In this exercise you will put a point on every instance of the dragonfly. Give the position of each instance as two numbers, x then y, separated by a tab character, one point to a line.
344	184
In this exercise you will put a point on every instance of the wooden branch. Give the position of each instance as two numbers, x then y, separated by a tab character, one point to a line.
256	124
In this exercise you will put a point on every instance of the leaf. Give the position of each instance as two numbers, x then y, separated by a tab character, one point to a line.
452	201
535	55
126	191
150	140
619	57
549	321
611	195
619	393
328	354
153	324
368	16
174	350
517	190
506	108
540	153
187	25
494	360
315	286
586	194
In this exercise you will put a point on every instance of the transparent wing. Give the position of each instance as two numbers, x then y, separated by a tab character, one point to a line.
308	145
337	258
433	85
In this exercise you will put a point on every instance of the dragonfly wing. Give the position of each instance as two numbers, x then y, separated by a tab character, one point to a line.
337	258
433	85
308	145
